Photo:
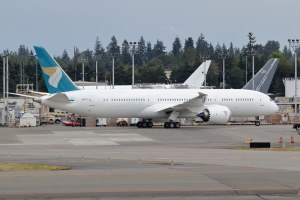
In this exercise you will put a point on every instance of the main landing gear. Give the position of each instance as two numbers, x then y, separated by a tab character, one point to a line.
172	124
144	124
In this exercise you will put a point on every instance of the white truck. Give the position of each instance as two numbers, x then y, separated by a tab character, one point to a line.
101	122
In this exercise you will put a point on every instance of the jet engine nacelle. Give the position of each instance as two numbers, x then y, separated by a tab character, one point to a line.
215	114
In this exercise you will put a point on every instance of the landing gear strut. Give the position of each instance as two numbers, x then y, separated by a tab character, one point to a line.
172	125
144	124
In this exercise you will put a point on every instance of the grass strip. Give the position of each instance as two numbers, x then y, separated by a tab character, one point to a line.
30	167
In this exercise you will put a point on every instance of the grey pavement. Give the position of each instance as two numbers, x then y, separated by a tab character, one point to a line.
186	163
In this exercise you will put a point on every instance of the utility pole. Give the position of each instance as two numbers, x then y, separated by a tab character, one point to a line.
224	55
294	45
204	57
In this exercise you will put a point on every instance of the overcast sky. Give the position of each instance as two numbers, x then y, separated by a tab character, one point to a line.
63	24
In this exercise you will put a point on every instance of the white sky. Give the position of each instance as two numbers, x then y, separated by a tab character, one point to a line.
63	24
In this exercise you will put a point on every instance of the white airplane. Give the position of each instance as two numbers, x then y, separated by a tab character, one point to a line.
215	106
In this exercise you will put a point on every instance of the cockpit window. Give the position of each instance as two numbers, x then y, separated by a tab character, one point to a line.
271	99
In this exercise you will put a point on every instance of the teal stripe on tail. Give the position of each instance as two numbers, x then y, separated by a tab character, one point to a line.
55	77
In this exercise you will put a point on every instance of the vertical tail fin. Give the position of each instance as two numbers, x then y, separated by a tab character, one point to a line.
263	78
55	77
198	76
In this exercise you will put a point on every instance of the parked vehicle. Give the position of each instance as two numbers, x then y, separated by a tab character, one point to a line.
134	121
122	121
101	122
50	119
72	122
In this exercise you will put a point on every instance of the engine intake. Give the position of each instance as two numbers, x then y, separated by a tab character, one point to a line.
215	114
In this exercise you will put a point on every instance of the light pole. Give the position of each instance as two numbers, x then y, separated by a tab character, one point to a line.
96	74
133	51
83	73
4	88
204	57
36	75
294	45
252	52
113	72
6	85
224	55
245	53
114	52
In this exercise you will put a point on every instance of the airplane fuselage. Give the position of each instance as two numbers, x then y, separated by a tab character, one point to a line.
145	103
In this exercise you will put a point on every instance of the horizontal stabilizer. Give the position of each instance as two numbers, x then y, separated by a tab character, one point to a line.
60	97
27	96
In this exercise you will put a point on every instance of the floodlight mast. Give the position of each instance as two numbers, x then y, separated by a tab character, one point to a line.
134	49
294	45
5	56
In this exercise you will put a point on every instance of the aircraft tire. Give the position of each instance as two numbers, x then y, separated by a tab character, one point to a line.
149	124
172	125
177	125
139	124
144	124
257	123
167	125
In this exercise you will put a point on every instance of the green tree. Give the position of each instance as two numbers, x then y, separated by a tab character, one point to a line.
149	52
140	58
123	75
113	49
126	57
270	47
99	50
153	72
65	57
176	50
189	43
159	48
201	45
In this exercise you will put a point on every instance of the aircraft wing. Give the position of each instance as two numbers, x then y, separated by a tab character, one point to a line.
193	105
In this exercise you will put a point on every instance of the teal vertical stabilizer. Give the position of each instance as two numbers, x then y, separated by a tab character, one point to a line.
55	77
